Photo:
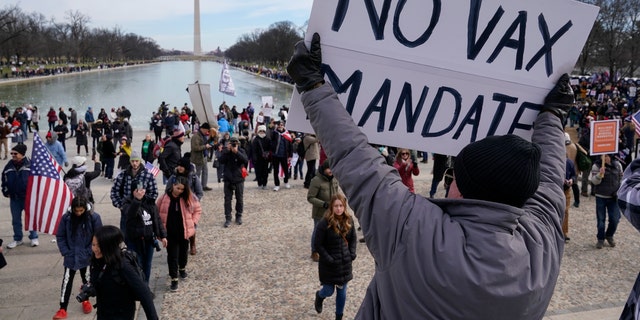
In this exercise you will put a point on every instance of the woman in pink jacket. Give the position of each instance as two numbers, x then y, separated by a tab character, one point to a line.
179	211
406	167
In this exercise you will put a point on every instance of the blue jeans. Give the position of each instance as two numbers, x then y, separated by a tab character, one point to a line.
144	250
17	206
604	206
341	295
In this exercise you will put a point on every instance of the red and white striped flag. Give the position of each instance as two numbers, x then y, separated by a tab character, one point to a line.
48	197
151	168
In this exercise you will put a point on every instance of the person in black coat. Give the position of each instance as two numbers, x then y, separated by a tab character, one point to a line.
234	159
335	242
168	159
114	279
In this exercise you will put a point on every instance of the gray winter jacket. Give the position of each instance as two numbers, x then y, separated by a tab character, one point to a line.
447	258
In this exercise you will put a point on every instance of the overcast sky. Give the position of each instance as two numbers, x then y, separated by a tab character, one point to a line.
170	22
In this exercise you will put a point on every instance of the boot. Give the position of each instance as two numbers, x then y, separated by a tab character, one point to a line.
192	244
318	302
338	316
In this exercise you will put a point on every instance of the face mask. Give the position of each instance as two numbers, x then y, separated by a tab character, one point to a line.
262	134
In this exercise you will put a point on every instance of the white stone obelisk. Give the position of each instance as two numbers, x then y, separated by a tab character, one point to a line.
197	47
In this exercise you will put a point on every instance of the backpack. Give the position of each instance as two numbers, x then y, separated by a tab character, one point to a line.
583	161
159	147
132	259
78	187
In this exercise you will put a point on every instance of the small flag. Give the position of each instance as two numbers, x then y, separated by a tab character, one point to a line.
226	84
151	168
48	197
635	118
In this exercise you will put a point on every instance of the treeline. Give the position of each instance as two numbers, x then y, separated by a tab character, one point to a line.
272	47
32	37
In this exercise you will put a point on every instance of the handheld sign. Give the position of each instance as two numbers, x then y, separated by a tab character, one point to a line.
437	75
604	137
200	95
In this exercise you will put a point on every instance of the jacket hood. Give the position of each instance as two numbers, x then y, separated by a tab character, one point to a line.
480	213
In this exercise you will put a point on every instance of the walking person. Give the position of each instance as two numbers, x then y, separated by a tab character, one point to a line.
281	151
234	159
115	279
107	155
606	177
143	230
35	118
335	241
321	189
4	139
75	232
14	186
261	151
61	131
505	213
81	130
199	152
52	118
179	211
73	121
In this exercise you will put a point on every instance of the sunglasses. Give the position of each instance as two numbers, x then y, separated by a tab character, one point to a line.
405	153
14	153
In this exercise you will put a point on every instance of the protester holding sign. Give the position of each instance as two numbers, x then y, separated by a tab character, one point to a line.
446	258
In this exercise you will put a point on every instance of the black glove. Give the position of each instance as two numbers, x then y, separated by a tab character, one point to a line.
304	66
325	205
560	98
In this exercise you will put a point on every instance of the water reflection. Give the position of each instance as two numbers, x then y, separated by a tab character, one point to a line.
141	89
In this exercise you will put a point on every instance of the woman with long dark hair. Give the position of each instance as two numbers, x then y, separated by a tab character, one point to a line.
114	279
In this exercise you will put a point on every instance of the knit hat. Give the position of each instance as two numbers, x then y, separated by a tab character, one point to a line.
78	161
325	165
135	155
262	128
185	163
567	138
504	169
20	148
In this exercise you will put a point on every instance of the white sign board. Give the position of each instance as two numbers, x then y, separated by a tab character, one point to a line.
437	75
200	95
267	106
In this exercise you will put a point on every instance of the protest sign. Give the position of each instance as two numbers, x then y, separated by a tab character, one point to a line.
437	75
604	137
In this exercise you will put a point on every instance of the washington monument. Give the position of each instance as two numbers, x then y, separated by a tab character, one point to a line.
197	47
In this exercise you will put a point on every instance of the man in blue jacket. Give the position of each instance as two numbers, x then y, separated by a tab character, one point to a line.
14	186
492	252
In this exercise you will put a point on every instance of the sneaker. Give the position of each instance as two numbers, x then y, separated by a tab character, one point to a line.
611	242
576	204
174	285
86	307
61	314
264	187
288	186
14	244
35	242
276	188
227	223
206	188
600	244
238	220
183	274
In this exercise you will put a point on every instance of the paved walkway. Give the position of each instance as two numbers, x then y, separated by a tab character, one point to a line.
593	283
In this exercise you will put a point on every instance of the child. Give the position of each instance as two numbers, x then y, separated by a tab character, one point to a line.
75	232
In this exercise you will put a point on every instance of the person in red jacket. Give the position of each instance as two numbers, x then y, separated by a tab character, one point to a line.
406	168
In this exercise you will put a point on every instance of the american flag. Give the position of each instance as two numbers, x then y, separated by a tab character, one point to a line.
151	168
48	197
635	118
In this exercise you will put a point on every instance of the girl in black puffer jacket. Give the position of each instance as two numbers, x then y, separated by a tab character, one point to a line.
335	241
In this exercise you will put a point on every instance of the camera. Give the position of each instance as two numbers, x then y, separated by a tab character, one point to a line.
156	244
86	291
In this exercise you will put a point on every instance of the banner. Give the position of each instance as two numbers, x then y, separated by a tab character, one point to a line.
200	95
437	75
226	83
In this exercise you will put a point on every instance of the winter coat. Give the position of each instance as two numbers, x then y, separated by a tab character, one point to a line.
405	171
81	134
52	116
190	213
14	180
198	148
336	254
606	187
233	163
75	245
88	176
447	258
117	289
310	142
169	157
321	189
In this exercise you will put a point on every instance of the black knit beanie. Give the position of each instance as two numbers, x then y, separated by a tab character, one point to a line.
503	169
